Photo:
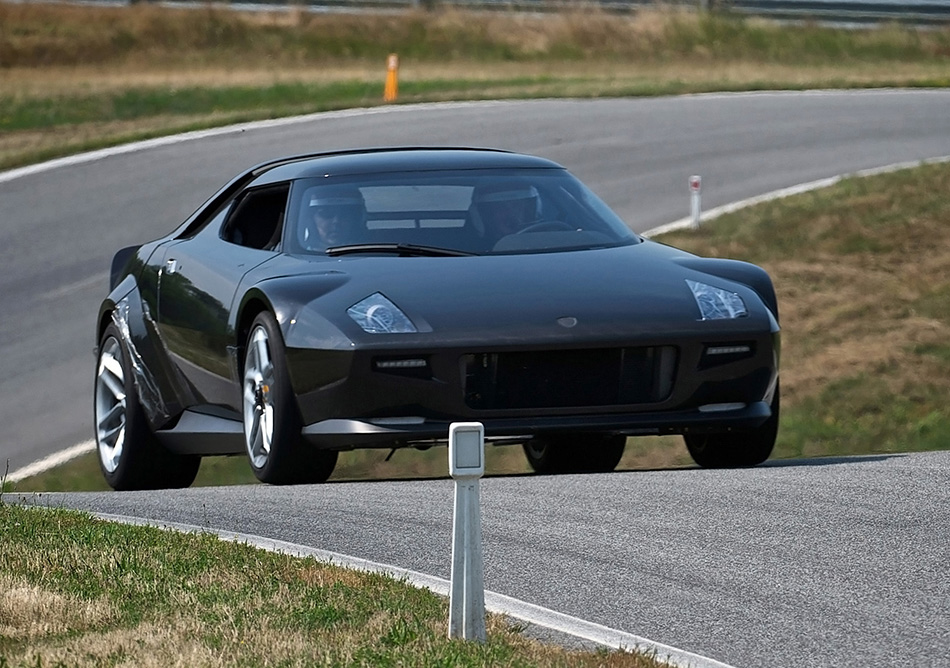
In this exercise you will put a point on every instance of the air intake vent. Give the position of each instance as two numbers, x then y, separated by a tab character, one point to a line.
569	378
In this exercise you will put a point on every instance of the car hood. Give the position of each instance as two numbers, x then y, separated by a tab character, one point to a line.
635	293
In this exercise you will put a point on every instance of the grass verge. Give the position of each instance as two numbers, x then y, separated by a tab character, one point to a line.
76	78
77	591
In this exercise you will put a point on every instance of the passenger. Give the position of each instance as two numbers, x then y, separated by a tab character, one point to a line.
507	208
333	216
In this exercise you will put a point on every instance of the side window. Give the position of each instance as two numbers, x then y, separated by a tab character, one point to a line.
257	218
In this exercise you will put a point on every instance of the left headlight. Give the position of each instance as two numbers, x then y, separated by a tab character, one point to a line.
717	304
378	315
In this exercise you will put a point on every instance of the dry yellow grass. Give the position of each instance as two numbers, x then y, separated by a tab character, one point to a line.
586	76
828	336
28	612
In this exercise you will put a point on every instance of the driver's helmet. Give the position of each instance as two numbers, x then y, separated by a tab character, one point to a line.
332	215
507	207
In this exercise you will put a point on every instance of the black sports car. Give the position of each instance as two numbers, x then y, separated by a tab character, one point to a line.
370	298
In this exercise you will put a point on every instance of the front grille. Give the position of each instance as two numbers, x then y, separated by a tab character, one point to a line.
569	378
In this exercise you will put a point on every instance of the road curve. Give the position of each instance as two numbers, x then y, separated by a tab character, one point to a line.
689	562
60	227
825	562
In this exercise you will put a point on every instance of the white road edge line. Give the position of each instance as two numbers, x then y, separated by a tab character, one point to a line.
52	461
238	128
498	603
686	223
170	140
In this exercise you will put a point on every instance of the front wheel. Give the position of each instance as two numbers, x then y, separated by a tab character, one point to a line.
736	449
575	453
130	456
272	422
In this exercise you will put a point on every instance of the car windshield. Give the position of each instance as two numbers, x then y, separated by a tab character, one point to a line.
461	212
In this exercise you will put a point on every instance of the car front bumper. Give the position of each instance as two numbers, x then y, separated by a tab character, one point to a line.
349	434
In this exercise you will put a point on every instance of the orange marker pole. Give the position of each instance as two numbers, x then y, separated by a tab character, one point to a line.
392	79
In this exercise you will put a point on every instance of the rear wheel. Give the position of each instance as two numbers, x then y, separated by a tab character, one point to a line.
272	421
736	449
130	456
575	453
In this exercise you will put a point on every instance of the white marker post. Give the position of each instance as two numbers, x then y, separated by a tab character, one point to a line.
695	190
467	593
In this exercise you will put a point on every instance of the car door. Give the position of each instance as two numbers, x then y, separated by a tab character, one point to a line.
197	285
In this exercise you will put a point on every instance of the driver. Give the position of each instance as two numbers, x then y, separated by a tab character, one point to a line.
507	208
332	216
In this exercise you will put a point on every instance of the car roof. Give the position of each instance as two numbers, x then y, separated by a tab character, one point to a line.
396	159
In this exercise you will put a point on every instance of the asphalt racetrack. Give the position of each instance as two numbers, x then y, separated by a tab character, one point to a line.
824	562
828	562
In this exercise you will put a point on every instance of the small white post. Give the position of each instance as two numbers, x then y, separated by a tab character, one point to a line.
695	191
467	592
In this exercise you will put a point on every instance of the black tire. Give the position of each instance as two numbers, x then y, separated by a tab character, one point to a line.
130	455
740	449
272	423
575	453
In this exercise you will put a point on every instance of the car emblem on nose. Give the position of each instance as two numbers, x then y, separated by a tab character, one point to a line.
567	321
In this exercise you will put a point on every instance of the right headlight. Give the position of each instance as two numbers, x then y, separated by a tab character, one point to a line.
715	303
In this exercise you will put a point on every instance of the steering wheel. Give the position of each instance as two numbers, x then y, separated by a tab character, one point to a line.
546	226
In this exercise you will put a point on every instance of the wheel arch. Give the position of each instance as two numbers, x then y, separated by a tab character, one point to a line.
297	302
105	319
119	292
253	304
158	386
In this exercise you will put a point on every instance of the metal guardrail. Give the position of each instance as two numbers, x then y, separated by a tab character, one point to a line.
916	12
846	10
919	12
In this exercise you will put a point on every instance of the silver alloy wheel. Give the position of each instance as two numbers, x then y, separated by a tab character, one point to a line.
110	405
259	380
